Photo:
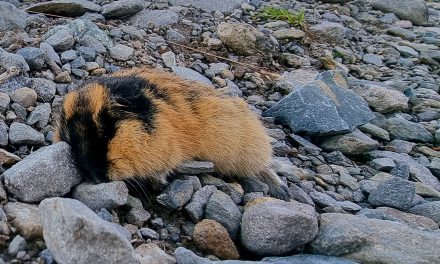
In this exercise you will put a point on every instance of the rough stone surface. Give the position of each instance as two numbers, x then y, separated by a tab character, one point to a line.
75	234
26	218
225	6
152	254
196	207
214	238
122	8
9	60
177	194
400	128
47	172
244	39
70	8
354	143
35	57
430	210
20	134
187	73
11	17
121	52
276	228
26	97
414	10
222	209
146	18
370	240
322	107
384	100
105	195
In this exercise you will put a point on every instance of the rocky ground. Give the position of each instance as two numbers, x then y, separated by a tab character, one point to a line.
349	96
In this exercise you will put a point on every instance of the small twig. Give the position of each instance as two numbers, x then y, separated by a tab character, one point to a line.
13	71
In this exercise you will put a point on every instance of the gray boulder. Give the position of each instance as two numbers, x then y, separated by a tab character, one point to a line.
75	234
105	195
9	60
354	143
400	128
122	8
157	18
177	194
414	10
35	57
21	134
70	8
11	17
395	192
276	228
430	210
374	241
325	106
190	74
47	172
225	6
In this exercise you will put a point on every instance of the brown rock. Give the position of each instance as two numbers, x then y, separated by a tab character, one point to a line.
214	238
26	218
8	159
152	254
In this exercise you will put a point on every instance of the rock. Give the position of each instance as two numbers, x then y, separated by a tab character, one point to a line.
189	74
122	8
50	53
11	17
61	40
8	159
40	116
70	8
45	89
149	233
430	210
400	128
329	31
85	32
383	164
9	60
222	209
417	170
284	167
402	32
370	240
226	6
308	258
169	59
195	167
406	51
288	33
261	225
156	18
375	131
391	214
322	107
196	207
354	143
4	137
35	57
185	256
414	10
17	244
295	60
348	180
244	39
137	216
47	172
75	234
105	195
382	99
21	134
400	146
4	101
25	218
373	59
214	238
395	192
121	52
300	195
151	254
177	194
26	97
68	56
325	201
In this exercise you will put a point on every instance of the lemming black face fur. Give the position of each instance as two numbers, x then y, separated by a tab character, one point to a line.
88	139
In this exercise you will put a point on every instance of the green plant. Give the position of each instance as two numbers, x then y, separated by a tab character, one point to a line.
295	19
